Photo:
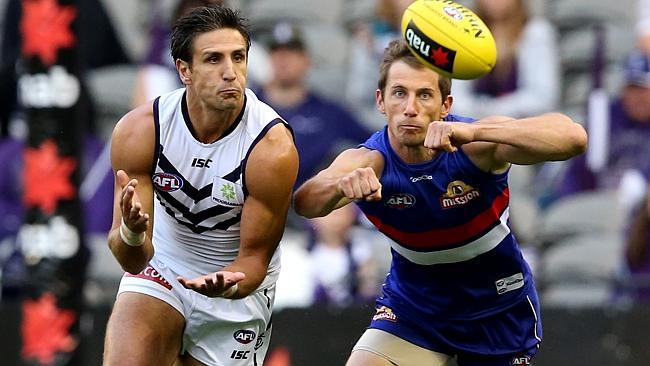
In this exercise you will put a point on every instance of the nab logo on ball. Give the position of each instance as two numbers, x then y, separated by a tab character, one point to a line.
449	38
436	54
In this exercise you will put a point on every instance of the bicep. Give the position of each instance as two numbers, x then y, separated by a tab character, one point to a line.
269	176
132	150
352	159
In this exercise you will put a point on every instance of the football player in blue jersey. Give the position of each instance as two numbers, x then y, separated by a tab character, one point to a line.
436	184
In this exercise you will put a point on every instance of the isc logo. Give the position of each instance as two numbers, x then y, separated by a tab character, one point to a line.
239	355
201	163
244	336
167	182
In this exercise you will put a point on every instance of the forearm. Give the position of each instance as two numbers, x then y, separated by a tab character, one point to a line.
551	136
131	259
637	242
318	197
255	267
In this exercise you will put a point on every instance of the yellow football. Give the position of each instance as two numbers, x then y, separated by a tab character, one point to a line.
449	38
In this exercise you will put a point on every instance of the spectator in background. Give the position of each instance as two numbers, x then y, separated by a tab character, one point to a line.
369	39
158	75
628	150
322	128
526	77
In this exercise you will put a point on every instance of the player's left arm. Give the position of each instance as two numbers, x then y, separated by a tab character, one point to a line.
495	142
270	175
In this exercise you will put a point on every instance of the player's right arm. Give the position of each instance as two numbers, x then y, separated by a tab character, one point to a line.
352	176
132	154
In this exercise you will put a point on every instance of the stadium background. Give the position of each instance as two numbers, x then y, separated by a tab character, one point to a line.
582	322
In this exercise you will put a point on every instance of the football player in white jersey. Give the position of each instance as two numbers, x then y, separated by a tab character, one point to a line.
169	307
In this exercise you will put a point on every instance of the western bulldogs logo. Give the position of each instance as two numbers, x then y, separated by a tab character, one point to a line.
458	194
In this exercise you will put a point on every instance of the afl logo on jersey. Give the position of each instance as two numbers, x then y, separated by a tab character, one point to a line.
458	194
167	182
400	201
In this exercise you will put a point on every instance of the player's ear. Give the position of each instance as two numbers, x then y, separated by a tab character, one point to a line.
379	98
184	71
446	106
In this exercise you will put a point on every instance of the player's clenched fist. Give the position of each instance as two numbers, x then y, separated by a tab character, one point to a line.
361	183
448	136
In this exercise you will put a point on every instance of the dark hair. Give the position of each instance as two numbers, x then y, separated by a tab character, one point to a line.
202	20
397	50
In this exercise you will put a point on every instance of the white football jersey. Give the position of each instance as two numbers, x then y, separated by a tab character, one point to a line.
200	188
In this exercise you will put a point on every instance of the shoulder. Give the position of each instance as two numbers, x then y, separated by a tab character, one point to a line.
133	140
135	125
272	166
276	148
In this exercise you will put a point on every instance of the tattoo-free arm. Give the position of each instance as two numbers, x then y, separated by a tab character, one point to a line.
352	175
270	174
132	147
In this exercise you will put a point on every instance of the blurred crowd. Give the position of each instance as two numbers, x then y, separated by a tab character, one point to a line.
585	223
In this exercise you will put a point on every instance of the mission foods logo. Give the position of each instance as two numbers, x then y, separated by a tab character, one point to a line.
434	53
458	194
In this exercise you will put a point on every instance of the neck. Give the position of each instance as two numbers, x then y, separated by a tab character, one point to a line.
208	123
412	154
285	95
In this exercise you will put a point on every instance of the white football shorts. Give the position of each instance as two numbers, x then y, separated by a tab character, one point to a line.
218	331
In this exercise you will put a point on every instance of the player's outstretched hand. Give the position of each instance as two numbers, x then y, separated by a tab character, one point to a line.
213	284
361	183
132	214
448	136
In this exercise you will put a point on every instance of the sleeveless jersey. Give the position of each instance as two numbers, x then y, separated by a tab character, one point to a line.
454	256
200	188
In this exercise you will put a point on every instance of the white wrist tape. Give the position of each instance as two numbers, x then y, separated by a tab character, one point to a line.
131	238
230	292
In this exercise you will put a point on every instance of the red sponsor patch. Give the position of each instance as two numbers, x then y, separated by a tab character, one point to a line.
151	274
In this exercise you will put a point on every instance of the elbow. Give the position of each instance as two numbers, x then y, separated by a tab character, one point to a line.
300	205
303	211
574	136
579	139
